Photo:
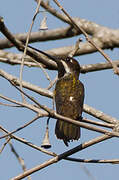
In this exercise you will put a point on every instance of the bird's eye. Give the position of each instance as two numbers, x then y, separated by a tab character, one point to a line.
67	58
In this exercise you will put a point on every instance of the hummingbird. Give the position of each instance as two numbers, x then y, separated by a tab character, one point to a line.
69	98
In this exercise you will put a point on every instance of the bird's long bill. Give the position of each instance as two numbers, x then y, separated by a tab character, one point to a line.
44	53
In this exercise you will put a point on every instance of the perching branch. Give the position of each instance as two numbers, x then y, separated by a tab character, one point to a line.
53	114
88	109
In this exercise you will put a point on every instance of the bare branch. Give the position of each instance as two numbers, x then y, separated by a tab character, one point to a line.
37	89
54	34
99	114
29	106
52	83
97	67
85	47
98	123
15	59
10	105
104	161
105	37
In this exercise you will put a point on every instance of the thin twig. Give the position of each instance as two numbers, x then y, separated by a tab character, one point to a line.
52	83
43	69
26	45
9	105
99	114
76	47
29	106
87	172
20	128
7	141
21	161
98	123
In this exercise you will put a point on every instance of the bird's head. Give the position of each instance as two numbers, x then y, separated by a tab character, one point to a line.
67	66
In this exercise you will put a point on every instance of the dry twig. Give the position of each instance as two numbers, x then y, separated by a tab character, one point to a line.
7	141
20	160
20	128
26	45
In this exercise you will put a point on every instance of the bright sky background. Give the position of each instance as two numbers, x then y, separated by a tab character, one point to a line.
101	90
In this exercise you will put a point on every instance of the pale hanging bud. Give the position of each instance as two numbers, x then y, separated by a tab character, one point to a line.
43	25
46	143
